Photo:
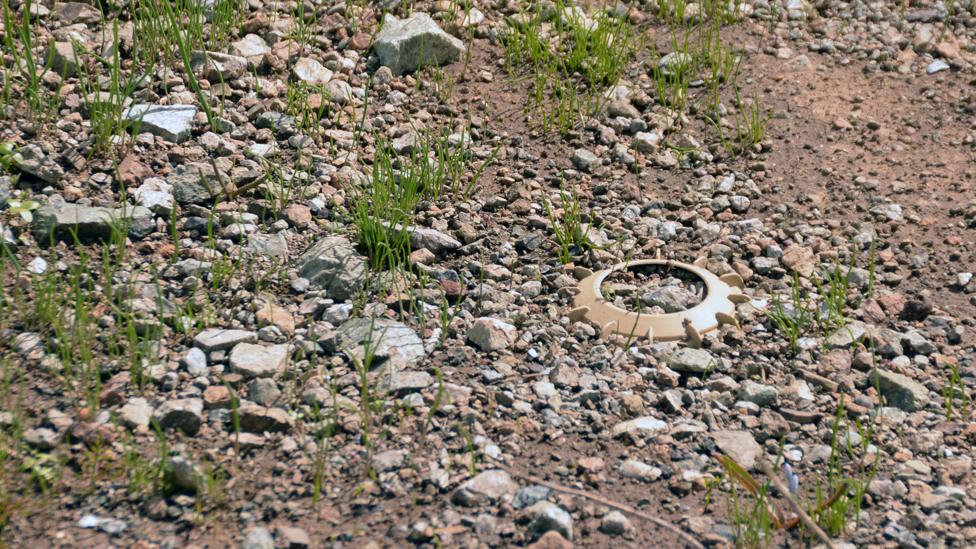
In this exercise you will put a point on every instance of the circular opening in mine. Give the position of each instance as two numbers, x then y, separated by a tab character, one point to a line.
659	289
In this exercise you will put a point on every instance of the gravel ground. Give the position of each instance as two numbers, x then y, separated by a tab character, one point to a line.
204	343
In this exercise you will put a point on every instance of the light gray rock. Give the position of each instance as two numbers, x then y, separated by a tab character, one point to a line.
252	360
274	120
41	438
171	122
311	72
847	335
64	61
61	219
674	62
339	92
404	383
432	239
390	342
639	427
639	470
268	245
692	361
333	264
584	160
404	45
491	334
156	195
258	538
217	67
615	523
188	183
183	414
529	495
901	391
389	460
263	391
253	48
219	339
183	474
740	446
622	107
936	66
544	516
757	393
647	142
136	413
487	487
672	299
258	419
36	163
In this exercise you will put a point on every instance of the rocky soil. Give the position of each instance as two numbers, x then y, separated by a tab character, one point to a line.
199	349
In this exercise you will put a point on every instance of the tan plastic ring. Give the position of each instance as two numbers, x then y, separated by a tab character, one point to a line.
717	308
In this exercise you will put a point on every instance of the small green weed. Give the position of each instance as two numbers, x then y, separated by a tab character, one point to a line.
568	227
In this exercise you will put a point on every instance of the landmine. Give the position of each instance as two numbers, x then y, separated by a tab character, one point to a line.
722	293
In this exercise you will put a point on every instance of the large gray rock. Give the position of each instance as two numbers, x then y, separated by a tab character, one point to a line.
672	299
217	67
258	419
64	60
136	413
61	220
740	446
184	414
183	474
432	240
155	194
758	393
310	71
405	45
544	516
334	264
404	383
252	360
692	361
253	48
171	122
491	334
194	183
388	340
219	339
488	487
258	538
902	392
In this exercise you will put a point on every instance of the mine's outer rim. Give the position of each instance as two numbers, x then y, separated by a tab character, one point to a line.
662	327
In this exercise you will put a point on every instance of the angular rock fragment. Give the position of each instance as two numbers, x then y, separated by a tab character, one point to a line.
404	45
334	264
171	122
64	221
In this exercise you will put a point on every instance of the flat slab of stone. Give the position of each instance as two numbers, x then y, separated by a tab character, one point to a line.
405	45
219	339
64	221
252	360
171	122
388	340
